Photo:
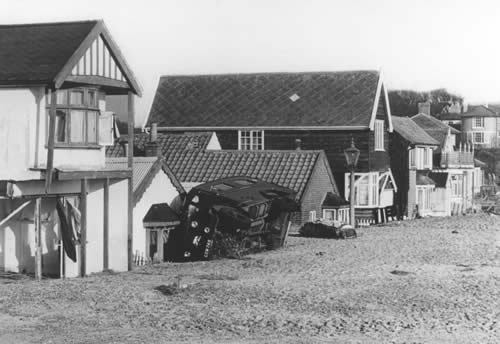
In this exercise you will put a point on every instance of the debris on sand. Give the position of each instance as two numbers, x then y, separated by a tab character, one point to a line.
400	272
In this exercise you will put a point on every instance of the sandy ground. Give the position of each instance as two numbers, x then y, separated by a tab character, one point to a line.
408	282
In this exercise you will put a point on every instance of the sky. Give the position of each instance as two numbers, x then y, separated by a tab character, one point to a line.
420	45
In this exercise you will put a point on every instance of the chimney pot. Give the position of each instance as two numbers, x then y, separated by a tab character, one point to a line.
125	149
298	144
153	135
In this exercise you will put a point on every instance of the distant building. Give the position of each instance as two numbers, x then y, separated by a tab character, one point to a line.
454	171
481	126
411	161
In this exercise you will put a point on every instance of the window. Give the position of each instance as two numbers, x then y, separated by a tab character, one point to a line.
251	139
329	214
478	137
365	189
420	158
478	122
379	135
77	117
343	215
413	158
312	216
456	185
424	198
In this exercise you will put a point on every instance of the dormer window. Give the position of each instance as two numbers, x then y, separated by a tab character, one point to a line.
77	117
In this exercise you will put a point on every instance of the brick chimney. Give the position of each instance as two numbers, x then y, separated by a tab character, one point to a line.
152	148
424	108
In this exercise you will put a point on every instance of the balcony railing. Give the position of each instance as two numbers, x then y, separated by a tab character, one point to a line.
457	159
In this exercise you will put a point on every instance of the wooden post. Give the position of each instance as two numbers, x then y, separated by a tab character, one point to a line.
159	244
83	227
351	200
38	239
105	239
51	140
148	243
130	157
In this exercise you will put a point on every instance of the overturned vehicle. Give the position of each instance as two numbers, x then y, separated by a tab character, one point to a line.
230	217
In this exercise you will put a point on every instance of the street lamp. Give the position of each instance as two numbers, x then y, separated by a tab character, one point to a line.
352	156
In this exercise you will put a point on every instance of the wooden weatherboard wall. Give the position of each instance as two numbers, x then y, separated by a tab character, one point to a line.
332	142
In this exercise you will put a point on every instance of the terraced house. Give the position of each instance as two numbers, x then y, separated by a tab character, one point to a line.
62	211
288	111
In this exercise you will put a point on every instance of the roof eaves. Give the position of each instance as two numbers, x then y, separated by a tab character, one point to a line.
308	178
345	127
375	103
173	178
146	182
115	50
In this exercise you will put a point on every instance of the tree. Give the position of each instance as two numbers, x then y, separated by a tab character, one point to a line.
405	102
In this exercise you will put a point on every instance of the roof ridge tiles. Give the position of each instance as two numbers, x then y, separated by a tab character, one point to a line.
323	72
3	26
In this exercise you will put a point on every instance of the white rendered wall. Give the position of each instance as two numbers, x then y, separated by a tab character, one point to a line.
18	112
161	190
23	126
95	227
17	238
118	209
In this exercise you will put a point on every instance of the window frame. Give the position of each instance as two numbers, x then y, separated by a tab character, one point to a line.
312	216
372	187
249	134
425	203
481	122
379	135
64	104
332	211
480	133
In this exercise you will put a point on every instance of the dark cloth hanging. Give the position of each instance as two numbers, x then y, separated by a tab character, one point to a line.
67	233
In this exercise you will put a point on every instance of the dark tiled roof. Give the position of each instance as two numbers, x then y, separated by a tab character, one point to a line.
35	53
451	116
144	170
439	178
161	213
291	169
480	111
411	132
168	142
423	179
434	127
334	200
272	99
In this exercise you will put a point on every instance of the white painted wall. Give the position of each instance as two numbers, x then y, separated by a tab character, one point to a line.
18	110
17	237
23	126
214	143
95	227
118	209
161	190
